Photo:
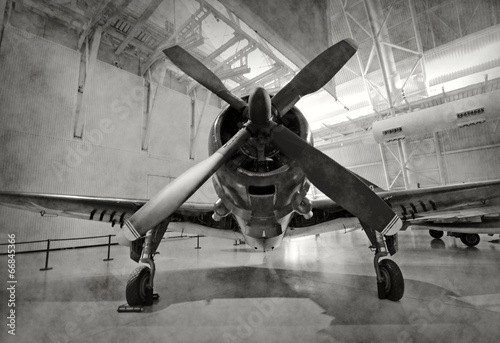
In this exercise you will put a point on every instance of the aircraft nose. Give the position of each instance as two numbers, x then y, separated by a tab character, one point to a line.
259	106
271	243
264	244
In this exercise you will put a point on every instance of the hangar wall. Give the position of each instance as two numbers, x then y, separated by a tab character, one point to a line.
468	154
38	98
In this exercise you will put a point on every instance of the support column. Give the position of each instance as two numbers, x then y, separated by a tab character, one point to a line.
439	157
150	101
384	52
420	47
195	126
409	168
402	164
364	70
384	165
83	92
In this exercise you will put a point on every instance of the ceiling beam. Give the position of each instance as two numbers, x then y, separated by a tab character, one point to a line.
99	12
298	37
68	17
226	74
138	25
138	44
186	30
117	12
258	78
236	28
222	75
217	52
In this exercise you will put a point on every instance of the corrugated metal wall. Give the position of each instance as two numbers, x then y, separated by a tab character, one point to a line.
362	158
39	153
28	88
472	153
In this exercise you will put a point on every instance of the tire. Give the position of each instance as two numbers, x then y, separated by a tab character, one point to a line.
436	234
470	239
136	286
393	280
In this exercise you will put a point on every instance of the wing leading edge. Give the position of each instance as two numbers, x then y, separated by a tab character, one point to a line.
190	218
469	206
105	209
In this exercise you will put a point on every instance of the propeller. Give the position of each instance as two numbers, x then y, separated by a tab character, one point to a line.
326	174
337	182
164	204
204	76
314	75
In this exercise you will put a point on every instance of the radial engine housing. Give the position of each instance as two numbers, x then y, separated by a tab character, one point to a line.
258	181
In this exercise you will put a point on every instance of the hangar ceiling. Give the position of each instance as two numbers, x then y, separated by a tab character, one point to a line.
410	51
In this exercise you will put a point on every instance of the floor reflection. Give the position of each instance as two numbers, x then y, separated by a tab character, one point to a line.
317	289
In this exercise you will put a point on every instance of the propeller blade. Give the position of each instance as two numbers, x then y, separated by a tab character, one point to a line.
204	76
314	75
338	183
168	200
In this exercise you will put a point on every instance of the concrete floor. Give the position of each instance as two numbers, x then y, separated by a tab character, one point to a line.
309	290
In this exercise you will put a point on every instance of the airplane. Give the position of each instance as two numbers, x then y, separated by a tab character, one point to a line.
262	162
462	210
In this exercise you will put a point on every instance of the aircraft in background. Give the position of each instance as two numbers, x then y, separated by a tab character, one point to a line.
262	163
463	210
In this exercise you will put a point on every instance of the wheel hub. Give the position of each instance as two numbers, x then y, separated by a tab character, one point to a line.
143	286
386	278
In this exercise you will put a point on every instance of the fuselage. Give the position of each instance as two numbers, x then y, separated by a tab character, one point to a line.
259	186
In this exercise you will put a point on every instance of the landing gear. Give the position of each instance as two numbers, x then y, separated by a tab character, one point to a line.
470	239
436	234
138	291
390	281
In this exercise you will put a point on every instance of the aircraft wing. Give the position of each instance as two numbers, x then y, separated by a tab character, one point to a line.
188	219
346	224
111	210
473	214
466	208
473	220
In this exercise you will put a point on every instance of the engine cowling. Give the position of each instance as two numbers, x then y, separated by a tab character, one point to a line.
259	185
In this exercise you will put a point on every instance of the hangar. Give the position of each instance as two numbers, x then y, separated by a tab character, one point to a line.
109	101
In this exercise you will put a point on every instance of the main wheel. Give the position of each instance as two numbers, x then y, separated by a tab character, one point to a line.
136	291
393	280
470	239
436	234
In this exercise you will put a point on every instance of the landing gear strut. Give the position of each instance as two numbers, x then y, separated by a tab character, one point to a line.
139	291
390	281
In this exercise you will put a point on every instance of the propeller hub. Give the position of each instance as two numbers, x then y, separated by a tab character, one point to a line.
259	107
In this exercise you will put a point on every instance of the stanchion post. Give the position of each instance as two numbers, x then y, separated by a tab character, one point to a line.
109	250
198	242
47	257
